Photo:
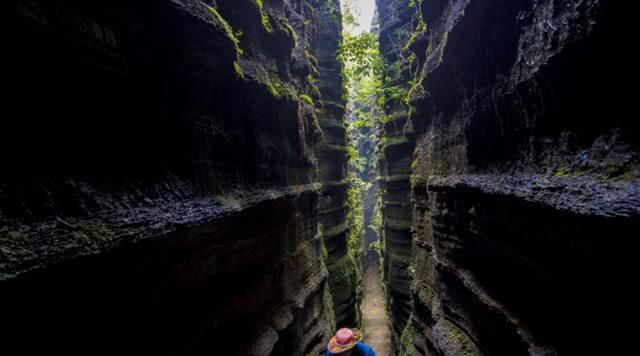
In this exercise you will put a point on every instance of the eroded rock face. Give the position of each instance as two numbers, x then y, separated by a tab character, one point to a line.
525	181
160	190
331	151
395	18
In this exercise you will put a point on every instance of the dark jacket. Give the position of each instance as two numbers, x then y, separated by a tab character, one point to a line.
360	350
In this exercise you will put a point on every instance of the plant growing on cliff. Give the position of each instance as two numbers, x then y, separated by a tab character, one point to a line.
234	36
421	26
406	340
355	217
263	15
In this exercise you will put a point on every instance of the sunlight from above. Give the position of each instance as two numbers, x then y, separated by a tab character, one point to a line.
362	11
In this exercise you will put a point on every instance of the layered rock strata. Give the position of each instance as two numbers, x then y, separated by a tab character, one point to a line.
397	145
343	278
526	179
160	186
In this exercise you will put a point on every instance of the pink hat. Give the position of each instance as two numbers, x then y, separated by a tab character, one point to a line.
344	340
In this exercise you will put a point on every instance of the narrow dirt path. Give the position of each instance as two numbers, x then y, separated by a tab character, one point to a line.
376	325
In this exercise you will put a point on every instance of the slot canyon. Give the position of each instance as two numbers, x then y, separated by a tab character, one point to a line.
246	177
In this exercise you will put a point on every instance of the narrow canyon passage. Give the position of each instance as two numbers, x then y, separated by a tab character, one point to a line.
246	177
375	321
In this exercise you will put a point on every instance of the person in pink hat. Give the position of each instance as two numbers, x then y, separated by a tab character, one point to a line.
346	342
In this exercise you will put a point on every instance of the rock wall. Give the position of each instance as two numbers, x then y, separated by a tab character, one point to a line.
343	279
397	144
160	190
525	185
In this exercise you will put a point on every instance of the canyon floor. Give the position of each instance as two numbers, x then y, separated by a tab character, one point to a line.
376	324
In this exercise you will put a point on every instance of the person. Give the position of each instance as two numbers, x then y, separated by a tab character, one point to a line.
346	342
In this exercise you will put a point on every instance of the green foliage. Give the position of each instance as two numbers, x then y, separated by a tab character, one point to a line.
356	161
280	89
396	93
349	22
362	73
416	90
307	99
355	217
311	58
420	29
360	56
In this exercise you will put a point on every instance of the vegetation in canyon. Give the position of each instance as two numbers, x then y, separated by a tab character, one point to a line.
362	67
195	168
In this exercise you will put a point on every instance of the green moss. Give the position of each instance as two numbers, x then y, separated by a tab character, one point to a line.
329	309
406	341
421	27
419	32
223	25
414	163
562	172
417	91
266	24
312	87
96	232
234	37
281	89
311	58
307	99
14	245
238	69
276	87
454	335
467	347
345	273
286	27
